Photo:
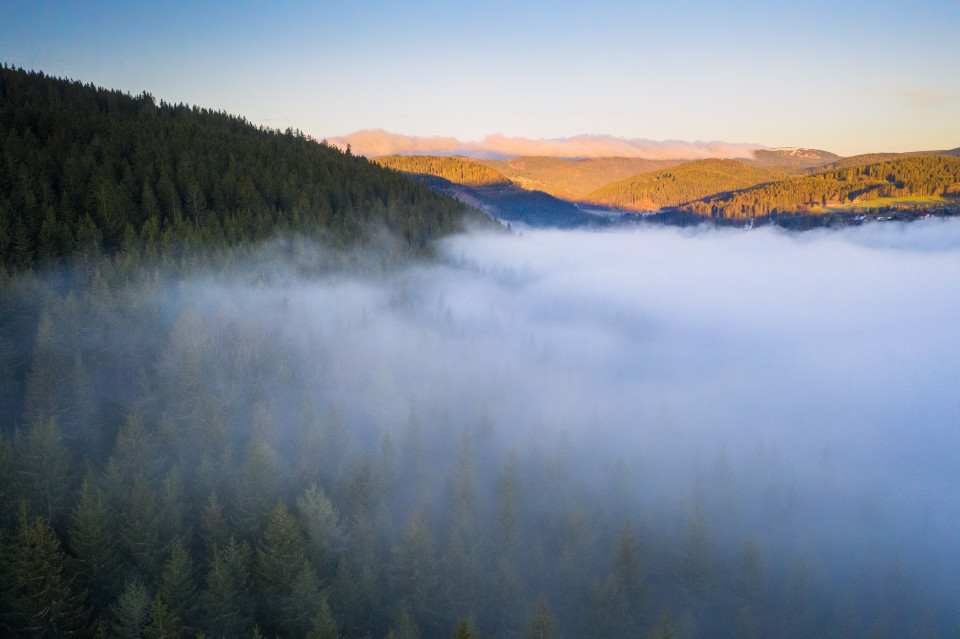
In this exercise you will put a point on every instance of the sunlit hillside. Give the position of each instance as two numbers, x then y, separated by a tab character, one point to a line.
453	169
680	184
572	179
919	175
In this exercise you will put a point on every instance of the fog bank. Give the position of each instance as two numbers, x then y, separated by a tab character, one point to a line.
816	377
753	431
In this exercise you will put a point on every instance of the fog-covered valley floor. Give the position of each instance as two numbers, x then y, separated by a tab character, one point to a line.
719	432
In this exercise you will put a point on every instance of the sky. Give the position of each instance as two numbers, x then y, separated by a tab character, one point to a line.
847	77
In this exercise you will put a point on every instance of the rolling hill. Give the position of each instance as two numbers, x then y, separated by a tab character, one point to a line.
684	183
874	158
910	176
572	179
454	169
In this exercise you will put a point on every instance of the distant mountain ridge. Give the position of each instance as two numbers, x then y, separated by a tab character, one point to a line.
379	143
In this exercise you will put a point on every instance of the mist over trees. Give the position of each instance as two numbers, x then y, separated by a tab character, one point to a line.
489	445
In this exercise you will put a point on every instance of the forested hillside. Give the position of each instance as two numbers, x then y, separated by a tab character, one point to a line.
457	170
685	183
572	179
876	158
923	176
86	169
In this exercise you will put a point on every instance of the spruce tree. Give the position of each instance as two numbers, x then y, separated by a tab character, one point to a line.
41	601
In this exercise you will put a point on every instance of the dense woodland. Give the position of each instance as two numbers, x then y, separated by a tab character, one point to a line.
685	183
876	158
174	464
921	175
88	170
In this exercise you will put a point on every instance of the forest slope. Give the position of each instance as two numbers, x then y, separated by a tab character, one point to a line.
453	169
912	176
680	184
572	179
89	169
875	158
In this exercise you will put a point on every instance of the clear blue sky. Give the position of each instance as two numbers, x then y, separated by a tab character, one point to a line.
849	77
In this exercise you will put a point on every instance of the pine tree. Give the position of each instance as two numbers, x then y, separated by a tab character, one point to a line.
465	630
321	521
140	528
541	624
131	611
413	569
323	624
178	589
228	599
163	624
93	544
41	601
214	528
280	561
46	471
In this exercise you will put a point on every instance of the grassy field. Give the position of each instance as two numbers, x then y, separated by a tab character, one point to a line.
884	202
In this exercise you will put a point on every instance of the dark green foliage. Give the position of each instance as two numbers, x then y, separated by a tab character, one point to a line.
130	613
323	625
38	596
285	580
93	542
46	471
164	624
85	169
178	591
228	600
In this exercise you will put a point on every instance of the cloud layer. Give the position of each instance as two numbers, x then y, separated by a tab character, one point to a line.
377	142
820	372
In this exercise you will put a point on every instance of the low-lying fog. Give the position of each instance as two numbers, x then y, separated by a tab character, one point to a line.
785	406
803	390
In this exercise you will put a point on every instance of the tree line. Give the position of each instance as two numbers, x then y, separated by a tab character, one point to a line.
453	169
910	176
86	170
680	184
